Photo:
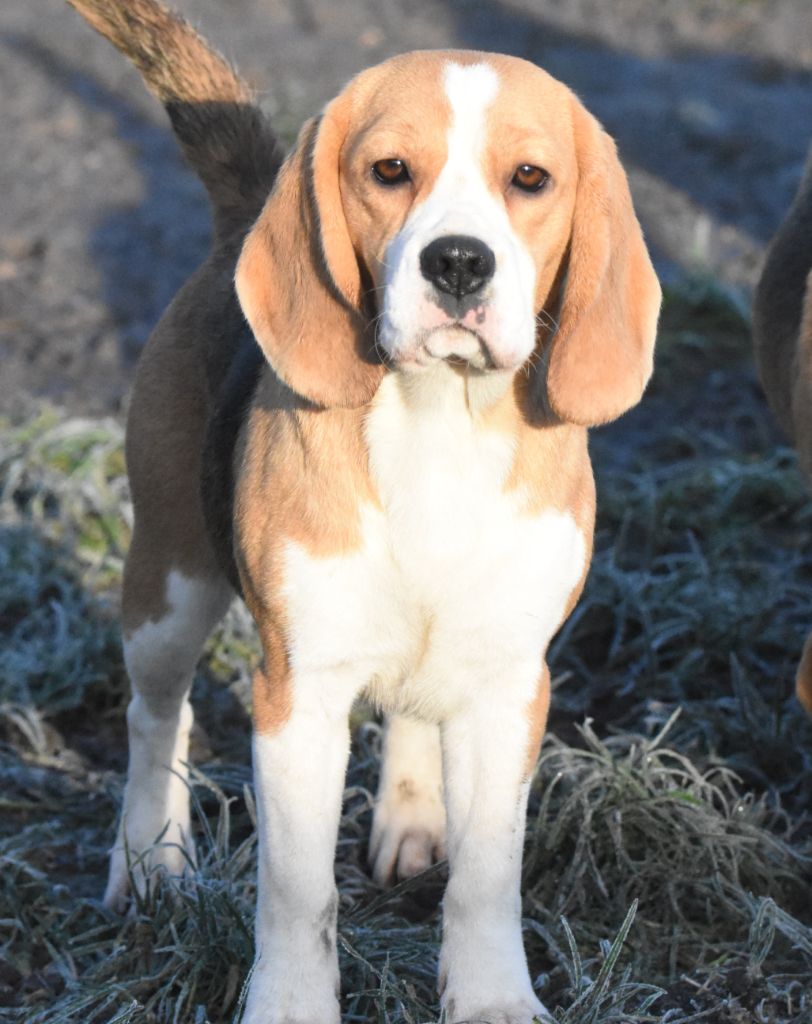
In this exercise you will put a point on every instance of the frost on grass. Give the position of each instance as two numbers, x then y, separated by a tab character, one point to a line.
667	864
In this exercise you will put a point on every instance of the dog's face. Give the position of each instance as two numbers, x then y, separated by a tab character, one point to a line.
454	206
459	203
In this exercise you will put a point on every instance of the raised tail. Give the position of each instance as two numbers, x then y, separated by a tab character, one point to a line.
225	136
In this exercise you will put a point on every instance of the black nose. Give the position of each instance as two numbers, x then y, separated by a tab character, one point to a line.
457	264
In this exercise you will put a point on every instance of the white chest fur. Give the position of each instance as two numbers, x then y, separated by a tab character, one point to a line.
453	585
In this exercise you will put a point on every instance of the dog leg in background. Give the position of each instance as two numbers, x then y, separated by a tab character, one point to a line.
782	332
161	656
408	823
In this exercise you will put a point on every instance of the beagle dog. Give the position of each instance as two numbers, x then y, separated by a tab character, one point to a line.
366	414
782	328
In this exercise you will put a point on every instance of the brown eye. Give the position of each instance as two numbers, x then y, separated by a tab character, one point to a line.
390	172
529	178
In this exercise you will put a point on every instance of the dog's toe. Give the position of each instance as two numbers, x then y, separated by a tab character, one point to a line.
521	1013
118	890
408	836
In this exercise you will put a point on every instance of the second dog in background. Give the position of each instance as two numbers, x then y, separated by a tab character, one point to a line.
782	324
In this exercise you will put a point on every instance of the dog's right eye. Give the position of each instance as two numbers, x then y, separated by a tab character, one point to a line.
390	172
530	178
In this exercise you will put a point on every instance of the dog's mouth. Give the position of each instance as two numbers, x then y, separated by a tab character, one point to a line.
459	346
452	344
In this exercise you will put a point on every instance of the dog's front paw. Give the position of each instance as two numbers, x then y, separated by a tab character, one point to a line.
295	989
487	982
138	857
523	1012
408	830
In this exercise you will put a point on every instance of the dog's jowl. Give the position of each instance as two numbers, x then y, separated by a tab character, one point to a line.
367	414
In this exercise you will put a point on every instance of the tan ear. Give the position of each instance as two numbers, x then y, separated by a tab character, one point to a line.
601	355
298	279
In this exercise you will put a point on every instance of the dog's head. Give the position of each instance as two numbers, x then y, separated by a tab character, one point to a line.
454	206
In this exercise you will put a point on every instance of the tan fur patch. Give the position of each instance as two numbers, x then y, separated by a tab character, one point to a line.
551	467
176	63
271	690
299	282
537	712
600	358
304	474
384	127
803	679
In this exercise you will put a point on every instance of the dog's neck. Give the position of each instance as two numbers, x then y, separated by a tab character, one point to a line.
450	385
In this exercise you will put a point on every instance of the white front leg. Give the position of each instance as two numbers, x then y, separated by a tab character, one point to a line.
299	771
487	758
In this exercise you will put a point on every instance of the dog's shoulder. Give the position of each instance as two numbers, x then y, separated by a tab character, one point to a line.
232	401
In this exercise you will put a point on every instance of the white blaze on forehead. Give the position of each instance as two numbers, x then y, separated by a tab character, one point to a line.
461	202
470	91
460	185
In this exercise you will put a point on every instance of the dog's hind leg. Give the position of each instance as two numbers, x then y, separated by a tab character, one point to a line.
408	824
174	594
161	655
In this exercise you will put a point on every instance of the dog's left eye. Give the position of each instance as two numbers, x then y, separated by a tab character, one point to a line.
529	178
390	172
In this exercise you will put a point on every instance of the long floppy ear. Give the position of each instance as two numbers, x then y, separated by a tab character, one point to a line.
601	355
298	279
